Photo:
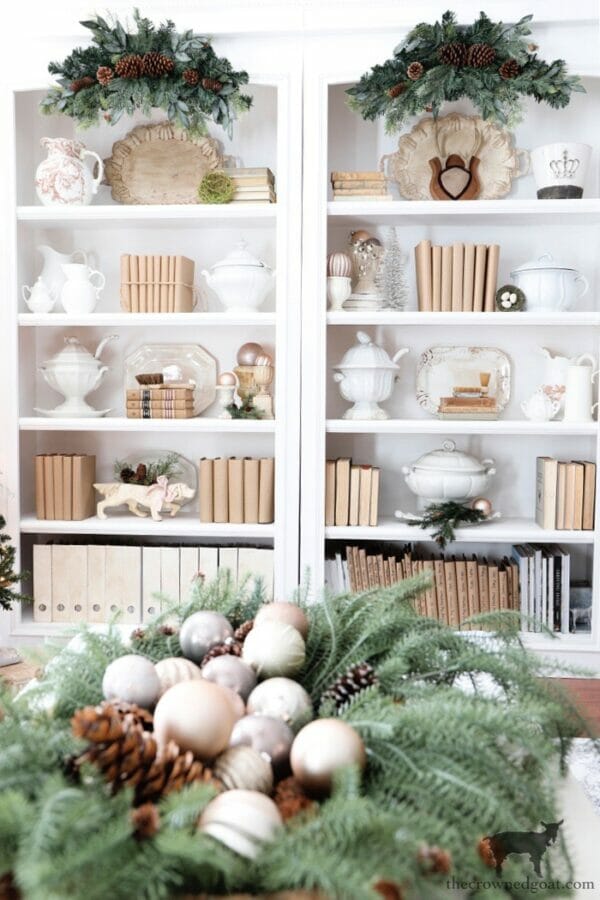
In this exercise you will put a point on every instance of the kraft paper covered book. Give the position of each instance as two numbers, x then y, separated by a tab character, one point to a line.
235	474
221	490
251	489
266	506
206	488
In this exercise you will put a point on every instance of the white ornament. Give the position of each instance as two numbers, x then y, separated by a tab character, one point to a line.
174	669
131	678
284	699
244	768
242	820
274	648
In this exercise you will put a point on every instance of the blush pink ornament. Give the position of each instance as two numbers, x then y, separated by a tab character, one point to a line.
246	355
339	265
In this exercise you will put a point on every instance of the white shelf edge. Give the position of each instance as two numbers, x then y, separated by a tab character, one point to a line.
124	524
135	320
413	317
459	426
527	207
509	531
140	212
121	423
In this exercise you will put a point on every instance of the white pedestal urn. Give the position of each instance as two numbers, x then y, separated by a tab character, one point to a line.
366	376
74	372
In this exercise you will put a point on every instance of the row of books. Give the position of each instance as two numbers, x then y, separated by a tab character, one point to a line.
157	283
255	185
545	586
457	277
351	493
359	185
565	494
237	490
95	582
64	486
162	401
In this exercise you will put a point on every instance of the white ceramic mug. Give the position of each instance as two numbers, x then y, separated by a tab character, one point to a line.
560	169
578	394
339	289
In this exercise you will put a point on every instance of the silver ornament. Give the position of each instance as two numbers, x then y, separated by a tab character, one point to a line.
244	767
284	699
201	631
242	820
232	672
131	678
269	736
174	669
274	648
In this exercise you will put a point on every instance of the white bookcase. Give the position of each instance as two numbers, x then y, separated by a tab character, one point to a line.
335	138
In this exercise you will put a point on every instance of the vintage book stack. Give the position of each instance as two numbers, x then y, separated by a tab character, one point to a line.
237	490
95	582
253	185
359	186
64	486
157	284
160	401
565	494
351	493
545	586
457	277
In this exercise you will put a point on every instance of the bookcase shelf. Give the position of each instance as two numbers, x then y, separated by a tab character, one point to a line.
464	319
140	216
120	423
146	320
459	426
185	524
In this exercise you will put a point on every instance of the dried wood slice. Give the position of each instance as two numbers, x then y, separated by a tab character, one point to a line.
160	164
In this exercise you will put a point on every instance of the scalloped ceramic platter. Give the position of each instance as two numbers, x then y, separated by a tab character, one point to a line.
441	370
459	135
160	164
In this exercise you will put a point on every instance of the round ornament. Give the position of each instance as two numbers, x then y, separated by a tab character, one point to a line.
132	678
201	631
246	355
323	747
282	611
242	820
198	715
264	360
482	504
227	378
231	672
510	298
238	707
339	265
284	699
244	767
174	669
268	736
274	648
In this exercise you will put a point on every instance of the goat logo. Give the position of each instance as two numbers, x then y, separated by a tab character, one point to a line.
494	848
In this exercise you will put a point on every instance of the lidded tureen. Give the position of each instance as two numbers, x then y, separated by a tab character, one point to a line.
240	280
366	376
74	372
448	474
549	284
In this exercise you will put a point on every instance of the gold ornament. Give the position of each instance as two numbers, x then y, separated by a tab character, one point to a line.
198	715
132	678
284	699
482	504
245	768
174	669
281	611
323	747
242	820
274	648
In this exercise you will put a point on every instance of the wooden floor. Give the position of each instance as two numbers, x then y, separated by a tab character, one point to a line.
585	693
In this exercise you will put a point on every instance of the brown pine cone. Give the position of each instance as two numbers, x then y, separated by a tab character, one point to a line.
211	84
81	83
415	70
104	75
8	888
97	724
353	681
389	890
434	860
135	713
171	771
155	65
130	66
452	54
291	798
140	473
509	69
396	90
229	647
240	634
480	55
191	77
145	820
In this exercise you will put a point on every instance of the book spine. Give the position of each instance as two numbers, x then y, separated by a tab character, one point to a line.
446	291
125	285
457	276
84	476
354	495
67	480
171	293
167	413
479	277
221	490
374	504
468	278
342	491
49	487
491	277
163	305
357	176
436	279
364	507
251	489
206	488
142	289
423	266
266	506
589	496
134	274
42	582
330	492
40	509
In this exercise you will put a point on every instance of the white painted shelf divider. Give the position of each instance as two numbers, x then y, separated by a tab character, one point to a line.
185	524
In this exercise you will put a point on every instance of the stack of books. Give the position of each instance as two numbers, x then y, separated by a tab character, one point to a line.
359	186
157	284
256	185
545	584
64	486
351	493
457	277
162	401
565	494
237	490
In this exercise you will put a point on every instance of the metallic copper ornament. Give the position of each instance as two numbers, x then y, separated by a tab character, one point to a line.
198	715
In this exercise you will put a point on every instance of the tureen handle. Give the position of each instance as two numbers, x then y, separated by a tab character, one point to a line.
103	343
208	275
338	376
100	374
399	353
406	470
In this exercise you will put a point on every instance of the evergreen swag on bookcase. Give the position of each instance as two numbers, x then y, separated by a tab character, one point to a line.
445	767
490	63
158	67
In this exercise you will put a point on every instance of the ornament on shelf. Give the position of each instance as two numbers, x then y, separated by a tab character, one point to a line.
79	294
274	648
246	355
283	611
238	706
254	374
367	255
62	179
339	281
268	736
131	678
339	265
482	504
392	281
230	672
284	699
323	747
263	401
356	679
157	498
174	669
291	798
242	820
510	298
198	715
226	385
201	631
244	768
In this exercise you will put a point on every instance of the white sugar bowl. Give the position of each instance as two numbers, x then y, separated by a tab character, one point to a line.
448	474
240	280
366	376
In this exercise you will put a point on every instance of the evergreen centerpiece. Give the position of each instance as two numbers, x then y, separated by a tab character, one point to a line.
121	71
490	63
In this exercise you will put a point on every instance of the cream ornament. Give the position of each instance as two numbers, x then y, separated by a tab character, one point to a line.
282	611
273	648
231	672
245	768
131	678
198	715
284	699
242	820
268	736
174	669
323	747
238	707
201	631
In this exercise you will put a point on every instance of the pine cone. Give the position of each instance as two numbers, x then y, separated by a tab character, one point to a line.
191	77
211	84
509	69
480	55
355	680
389	890
130	66
229	647
126	475
104	75
291	799
171	771
155	65
8	888
240	634
434	860
81	83
452	54
415	70
140	473
145	820
135	713
396	90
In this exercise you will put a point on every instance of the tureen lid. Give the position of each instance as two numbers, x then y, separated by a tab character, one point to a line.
240	256
366	355
73	354
546	261
449	459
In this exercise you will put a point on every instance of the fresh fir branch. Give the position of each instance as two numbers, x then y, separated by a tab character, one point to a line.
443	518
247	410
147	473
8	576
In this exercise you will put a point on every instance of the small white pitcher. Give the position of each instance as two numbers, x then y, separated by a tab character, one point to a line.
578	394
40	299
79	293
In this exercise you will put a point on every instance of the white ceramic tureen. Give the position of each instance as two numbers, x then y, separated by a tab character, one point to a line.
74	372
448	474
240	280
366	377
549	285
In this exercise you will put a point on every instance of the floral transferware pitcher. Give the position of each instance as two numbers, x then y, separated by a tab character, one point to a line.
63	178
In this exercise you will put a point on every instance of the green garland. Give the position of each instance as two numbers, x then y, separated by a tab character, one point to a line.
156	67
8	576
490	63
444	517
445	767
